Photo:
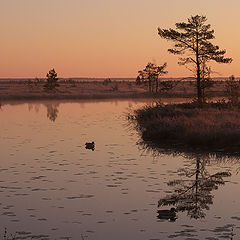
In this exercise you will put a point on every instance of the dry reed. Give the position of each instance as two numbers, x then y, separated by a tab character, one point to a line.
215	126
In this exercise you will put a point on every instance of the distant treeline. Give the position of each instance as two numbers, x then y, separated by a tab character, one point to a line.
26	80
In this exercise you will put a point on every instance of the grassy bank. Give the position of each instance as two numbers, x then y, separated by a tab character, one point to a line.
98	90
212	127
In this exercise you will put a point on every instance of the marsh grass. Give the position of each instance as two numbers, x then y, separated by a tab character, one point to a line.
28	235
212	126
75	89
6	236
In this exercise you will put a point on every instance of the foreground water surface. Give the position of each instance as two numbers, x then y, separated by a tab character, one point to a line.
51	187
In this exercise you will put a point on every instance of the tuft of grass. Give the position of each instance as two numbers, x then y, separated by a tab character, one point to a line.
8	237
212	126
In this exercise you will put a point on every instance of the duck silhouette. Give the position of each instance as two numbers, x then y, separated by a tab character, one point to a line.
167	214
90	145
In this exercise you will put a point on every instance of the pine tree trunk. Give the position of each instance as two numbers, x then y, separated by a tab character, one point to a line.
199	90
197	178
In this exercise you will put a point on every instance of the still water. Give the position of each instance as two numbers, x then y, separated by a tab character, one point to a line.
51	187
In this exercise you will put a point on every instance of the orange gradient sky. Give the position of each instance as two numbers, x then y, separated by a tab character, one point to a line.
105	38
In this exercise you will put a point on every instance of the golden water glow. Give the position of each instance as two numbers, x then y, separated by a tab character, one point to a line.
104	38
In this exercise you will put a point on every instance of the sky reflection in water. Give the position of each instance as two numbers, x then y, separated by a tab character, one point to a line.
52	187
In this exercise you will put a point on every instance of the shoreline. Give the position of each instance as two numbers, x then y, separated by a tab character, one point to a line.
213	128
34	91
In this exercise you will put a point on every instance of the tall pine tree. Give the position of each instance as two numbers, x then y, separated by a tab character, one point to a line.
193	40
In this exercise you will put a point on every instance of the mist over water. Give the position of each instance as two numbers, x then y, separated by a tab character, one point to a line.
52	187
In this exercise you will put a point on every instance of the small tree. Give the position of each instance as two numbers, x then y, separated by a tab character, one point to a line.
193	39
52	79
150	75
138	80
233	90
206	80
107	81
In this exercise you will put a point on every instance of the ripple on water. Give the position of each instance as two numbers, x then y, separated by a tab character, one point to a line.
81	196
121	188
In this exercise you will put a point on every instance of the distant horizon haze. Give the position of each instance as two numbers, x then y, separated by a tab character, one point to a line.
106	38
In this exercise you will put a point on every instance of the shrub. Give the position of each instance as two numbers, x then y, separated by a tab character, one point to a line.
115	87
233	90
107	81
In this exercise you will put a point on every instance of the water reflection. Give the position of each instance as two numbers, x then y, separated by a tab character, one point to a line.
192	190
52	111
109	193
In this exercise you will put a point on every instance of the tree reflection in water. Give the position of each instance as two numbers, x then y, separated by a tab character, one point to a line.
192	190
52	111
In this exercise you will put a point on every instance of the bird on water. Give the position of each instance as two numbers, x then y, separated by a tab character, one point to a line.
167	214
90	145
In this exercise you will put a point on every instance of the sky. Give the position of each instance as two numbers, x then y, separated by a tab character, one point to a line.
105	38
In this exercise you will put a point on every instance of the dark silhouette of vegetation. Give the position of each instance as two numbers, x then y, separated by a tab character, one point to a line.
30	83
206	81
193	190
138	80
9	237
72	82
26	235
52	80
115	87
215	127
193	39
34	83
107	81
150	75
233	90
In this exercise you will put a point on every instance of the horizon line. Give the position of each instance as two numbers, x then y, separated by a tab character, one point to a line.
25	78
